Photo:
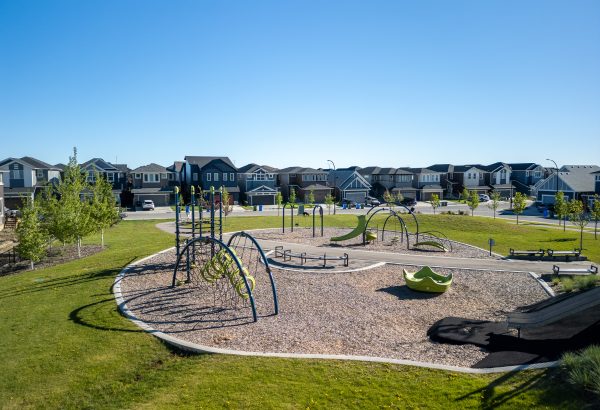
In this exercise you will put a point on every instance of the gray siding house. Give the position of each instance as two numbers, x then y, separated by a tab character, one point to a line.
258	184
471	177
304	180
349	184
525	175
427	183
576	181
151	182
25	177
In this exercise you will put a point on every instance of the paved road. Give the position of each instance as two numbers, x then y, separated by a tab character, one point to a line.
410	259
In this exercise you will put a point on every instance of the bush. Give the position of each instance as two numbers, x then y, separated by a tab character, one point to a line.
583	368
586	282
568	285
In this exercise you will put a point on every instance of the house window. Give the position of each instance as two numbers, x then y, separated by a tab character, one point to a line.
163	176
110	177
138	176
224	177
216	176
270	176
537	174
195	176
171	177
232	176
208	176
90	176
260	177
39	173
16	174
1	183
151	177
527	173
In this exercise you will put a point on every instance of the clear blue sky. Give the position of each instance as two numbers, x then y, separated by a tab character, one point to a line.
390	83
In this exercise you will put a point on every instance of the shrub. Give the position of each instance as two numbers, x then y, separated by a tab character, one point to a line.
568	285
586	282
583	368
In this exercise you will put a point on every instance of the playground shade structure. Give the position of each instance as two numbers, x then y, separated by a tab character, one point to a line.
426	280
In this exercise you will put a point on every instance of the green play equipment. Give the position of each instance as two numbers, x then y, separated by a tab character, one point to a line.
359	230
222	265
426	280
432	244
370	236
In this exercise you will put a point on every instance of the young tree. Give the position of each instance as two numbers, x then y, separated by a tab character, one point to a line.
69	215
472	200
399	197
31	234
595	214
225	198
278	201
494	202
435	202
519	204
578	217
329	202
561	208
311	197
103	212
388	197
464	195
292	196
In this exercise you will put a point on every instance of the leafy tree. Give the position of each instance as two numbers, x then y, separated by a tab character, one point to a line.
329	201
225	198
69	216
472	199
435	202
388	197
519	204
595	214
561	207
464	195
494	202
278	201
311	197
103	211
399	197
292	196
31	234
578	217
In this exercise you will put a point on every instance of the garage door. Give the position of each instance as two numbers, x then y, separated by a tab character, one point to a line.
356	196
261	200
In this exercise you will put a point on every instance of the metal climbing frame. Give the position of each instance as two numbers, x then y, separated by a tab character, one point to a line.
321	213
410	211
292	207
393	214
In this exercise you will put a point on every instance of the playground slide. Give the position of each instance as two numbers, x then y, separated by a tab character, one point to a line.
360	228
555	312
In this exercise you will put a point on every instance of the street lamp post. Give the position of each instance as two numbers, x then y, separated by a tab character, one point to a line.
334	183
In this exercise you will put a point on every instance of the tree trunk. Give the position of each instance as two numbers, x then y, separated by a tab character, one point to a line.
102	237
581	240
596	229
565	224
79	247
31	264
517	219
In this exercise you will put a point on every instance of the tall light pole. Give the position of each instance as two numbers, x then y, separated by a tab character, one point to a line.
334	183
555	177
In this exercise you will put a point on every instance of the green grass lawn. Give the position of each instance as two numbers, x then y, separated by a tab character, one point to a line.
64	345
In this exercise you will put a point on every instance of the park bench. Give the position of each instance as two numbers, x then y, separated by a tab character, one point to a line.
535	252
592	270
567	254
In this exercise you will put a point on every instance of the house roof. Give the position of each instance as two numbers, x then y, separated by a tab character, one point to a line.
100	164
204	161
523	166
584	169
316	187
163	190
60	166
30	161
421	170
150	168
248	169
493	167
368	170
176	167
578	181
431	188
262	188
442	168
121	167
464	168
301	170
345	176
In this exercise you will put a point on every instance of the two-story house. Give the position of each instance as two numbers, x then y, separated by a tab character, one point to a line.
258	184
498	177
151	182
575	181
24	178
205	172
303	181
471	177
427	183
116	174
447	179
525	175
349	184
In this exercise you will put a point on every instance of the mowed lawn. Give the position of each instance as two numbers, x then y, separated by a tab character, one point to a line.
63	344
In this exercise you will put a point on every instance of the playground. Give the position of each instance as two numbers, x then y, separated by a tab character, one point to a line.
323	296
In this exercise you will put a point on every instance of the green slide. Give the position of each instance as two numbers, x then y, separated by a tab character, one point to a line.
426	280
362	224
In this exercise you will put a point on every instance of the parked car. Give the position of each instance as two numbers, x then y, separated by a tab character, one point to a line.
148	205
369	200
484	198
409	202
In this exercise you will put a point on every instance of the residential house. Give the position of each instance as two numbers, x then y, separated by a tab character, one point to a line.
1	200
498	177
303	181
24	178
471	177
349	184
380	179
404	184
116	174
427	183
575	181
207	172
174	173
447	179
258	184
525	175
151	182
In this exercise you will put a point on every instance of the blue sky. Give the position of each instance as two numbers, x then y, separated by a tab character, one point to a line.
390	83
